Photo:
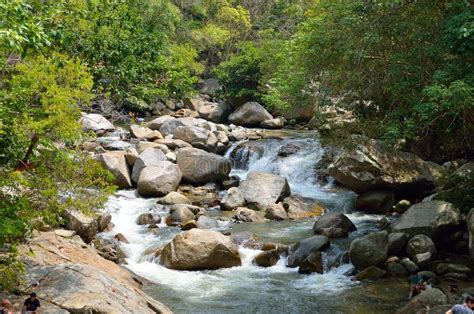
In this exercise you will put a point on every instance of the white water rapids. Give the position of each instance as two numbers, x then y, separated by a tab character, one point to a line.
247	288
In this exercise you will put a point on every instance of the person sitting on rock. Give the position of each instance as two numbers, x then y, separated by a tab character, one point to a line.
31	305
465	308
416	284
6	309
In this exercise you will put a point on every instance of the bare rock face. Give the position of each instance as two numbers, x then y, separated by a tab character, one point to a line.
116	163
100	285
199	249
249	114
159	179
262	190
371	166
199	166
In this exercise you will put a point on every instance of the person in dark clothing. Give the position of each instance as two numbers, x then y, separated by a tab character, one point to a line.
31	305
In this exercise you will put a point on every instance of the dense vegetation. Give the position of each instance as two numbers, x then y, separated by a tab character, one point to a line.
405	67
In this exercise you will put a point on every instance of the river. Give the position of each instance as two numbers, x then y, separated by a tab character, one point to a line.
253	289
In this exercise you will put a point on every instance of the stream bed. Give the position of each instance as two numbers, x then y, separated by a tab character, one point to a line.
250	288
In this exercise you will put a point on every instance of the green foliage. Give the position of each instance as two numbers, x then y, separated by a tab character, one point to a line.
11	270
458	190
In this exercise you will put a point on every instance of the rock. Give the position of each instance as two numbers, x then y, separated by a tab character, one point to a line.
432	218
197	137
370	273
290	149
215	112
369	250
199	166
401	206
420	244
188	225
116	145
121	238
158	122
148	219
142	146
103	221
312	264
65	233
396	269
377	202
116	163
396	242
143	133
249	114
231	182
470	229
210	87
170	125
409	265
233	199
173	143
276	123
85	226
194	103
174	198
267	258
131	155
179	215
282	249
199	249
205	222
262	189
371	166
149	157
109	249
245	238
333	220
443	268
455	276
301	250
159	179
425	300
333	233
247	215
465	170
299	207
276	212
95	122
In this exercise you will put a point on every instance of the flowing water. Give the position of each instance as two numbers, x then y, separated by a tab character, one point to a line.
249	288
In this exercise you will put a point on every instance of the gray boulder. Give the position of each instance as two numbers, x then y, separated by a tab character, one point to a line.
169	126
420	244
158	122
233	199
396	242
276	123
262	189
159	179
173	198
199	166
116	163
85	226
197	137
215	112
369	250
432	218
95	122
249	114
149	157
333	220
303	249
276	212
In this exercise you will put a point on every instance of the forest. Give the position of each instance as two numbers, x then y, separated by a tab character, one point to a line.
404	68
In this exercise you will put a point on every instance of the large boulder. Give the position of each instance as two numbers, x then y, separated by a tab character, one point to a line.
173	198
276	212
276	123
199	166
420	244
179	215
170	125
300	207
58	263
263	189
300	252
249	114
370	165
431	218
377	202
369	250
116	163
426	300
149	157
159	179
333	220
85	226
233	199
144	133
215	112
95	122
210	87
198	137
158	122
199	249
